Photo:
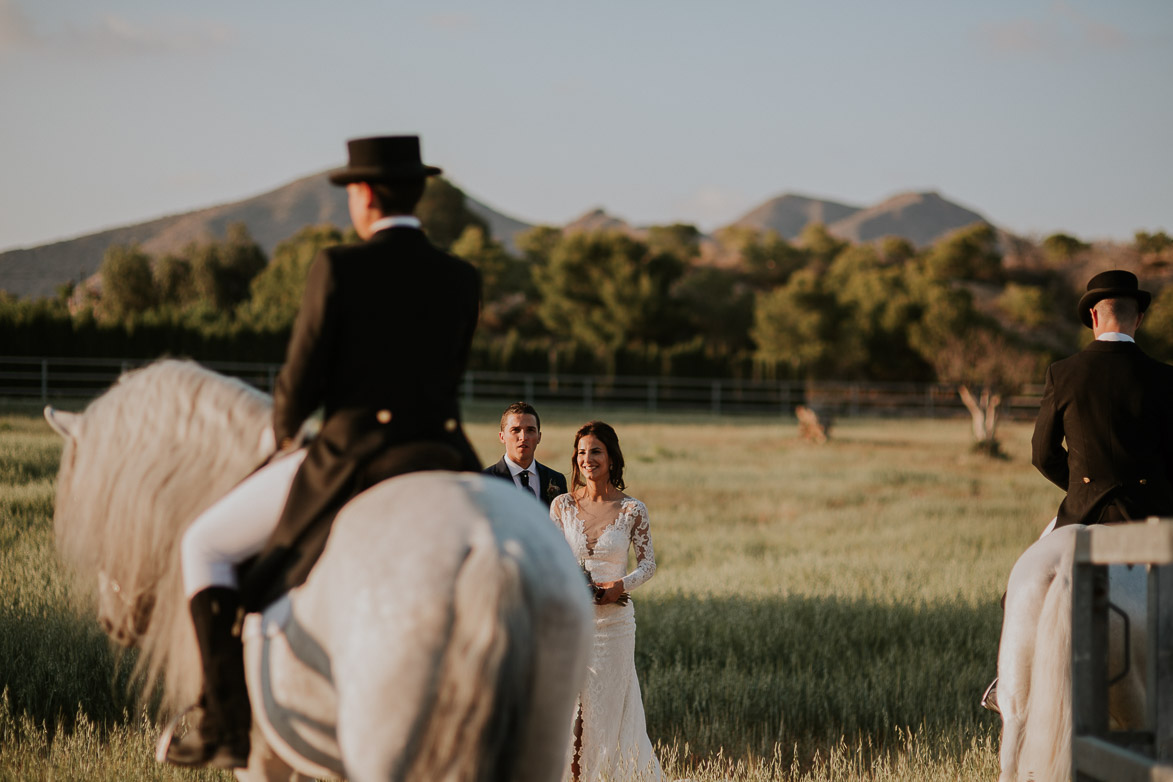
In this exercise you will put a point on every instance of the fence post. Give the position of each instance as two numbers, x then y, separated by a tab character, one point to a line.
586	392
716	397
272	375
44	381
529	388
1160	659
468	390
652	394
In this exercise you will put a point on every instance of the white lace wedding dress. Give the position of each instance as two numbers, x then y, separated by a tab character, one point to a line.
615	744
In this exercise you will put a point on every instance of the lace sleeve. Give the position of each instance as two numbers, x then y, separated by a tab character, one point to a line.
556	509
645	555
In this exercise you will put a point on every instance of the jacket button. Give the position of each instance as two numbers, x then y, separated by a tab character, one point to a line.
1144	481
1087	479
383	416
450	425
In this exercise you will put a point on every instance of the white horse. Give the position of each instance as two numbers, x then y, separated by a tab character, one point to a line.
1034	658
442	636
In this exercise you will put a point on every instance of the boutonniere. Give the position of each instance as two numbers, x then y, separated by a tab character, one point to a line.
551	492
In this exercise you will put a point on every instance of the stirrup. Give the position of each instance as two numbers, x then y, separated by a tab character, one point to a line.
163	745
168	748
990	698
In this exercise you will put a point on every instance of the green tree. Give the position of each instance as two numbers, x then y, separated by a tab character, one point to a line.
1154	247
605	291
881	307
538	243
1026	305
943	309
769	260
501	274
1155	335
896	250
507	292
275	293
241	260
986	366
803	326
678	239
820	246
128	286
221	271
444	212
173	280
717	306
971	352
766	258
1062	248
967	254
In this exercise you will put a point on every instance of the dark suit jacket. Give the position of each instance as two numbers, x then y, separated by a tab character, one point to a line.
552	482
380	342
1114	406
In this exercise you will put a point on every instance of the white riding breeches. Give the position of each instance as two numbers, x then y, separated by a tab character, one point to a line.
236	526
1050	528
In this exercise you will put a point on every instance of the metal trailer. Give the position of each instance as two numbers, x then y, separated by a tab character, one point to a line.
1097	752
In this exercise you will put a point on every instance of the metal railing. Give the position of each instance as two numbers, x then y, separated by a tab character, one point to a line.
1098	752
47	379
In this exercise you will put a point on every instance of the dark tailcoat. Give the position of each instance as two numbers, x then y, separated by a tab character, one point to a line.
1114	406
552	482
380	342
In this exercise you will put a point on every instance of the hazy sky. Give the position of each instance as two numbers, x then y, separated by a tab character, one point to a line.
1043	116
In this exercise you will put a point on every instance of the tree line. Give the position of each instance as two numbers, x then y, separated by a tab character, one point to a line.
977	309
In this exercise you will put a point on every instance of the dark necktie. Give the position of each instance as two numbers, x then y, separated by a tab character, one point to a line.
524	475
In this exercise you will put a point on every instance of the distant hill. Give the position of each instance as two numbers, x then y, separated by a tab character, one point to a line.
271	217
598	220
790	213
921	218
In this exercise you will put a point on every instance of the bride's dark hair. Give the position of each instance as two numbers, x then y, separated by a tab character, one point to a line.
610	441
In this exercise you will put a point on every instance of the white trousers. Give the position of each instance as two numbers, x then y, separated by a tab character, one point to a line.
1050	528
236	526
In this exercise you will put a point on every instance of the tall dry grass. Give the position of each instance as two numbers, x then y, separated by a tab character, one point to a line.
820	612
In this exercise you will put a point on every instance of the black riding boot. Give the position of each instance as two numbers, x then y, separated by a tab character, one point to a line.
221	740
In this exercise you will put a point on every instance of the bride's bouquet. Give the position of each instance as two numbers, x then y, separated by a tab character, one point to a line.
597	591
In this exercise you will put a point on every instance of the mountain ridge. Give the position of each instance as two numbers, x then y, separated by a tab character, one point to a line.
279	213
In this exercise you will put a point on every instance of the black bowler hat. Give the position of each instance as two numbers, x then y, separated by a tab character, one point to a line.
382	158
1115	284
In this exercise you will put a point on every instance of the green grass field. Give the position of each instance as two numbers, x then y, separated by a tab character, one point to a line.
820	612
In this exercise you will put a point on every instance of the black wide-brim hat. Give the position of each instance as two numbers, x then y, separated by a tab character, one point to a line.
1115	284
382	159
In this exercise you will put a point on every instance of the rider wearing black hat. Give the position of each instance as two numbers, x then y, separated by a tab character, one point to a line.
380	344
1104	432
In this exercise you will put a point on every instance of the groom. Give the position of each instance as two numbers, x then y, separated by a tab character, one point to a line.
521	431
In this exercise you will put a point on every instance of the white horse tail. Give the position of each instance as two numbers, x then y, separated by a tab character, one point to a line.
1046	742
485	679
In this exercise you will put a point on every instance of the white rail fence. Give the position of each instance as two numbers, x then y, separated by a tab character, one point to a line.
50	379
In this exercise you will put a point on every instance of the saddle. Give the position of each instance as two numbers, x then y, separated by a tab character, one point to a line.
304	528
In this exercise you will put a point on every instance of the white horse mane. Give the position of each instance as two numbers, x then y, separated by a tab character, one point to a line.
143	461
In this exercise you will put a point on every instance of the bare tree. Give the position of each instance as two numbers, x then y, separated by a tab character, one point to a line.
986	367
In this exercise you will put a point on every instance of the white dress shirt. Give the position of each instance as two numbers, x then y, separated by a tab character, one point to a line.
1114	336
534	482
395	221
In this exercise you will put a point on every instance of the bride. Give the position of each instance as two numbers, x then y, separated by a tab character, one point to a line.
600	523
